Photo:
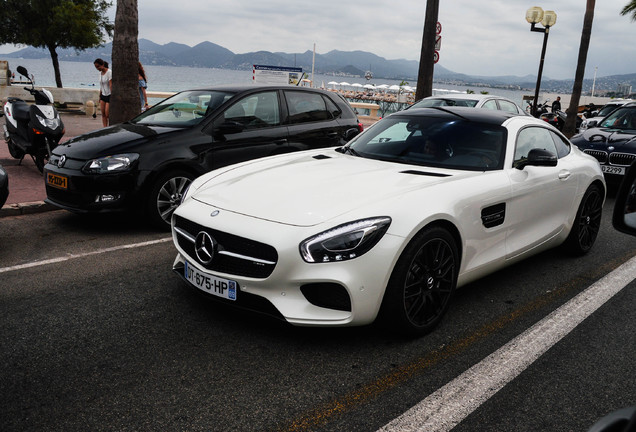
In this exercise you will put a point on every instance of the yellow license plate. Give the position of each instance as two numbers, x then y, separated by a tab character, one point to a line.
57	181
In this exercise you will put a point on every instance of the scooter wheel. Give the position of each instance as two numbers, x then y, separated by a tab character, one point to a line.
40	159
15	151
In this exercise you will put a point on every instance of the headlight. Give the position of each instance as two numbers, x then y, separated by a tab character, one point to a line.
109	164
344	242
53	123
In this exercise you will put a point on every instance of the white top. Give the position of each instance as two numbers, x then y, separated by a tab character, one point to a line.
104	82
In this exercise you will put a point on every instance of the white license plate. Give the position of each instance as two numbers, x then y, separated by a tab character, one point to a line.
211	284
607	169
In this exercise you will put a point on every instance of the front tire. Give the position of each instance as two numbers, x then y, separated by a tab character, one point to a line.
165	196
15	151
422	283
587	222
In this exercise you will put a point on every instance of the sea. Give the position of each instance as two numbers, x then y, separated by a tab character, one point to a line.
178	78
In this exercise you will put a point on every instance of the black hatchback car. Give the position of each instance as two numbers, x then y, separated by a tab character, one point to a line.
612	142
147	163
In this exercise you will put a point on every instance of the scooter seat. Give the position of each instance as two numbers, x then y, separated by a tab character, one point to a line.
21	111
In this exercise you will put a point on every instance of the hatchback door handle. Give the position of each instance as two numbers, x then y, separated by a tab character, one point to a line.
280	141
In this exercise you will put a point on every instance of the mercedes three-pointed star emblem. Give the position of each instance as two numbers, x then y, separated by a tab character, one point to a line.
204	246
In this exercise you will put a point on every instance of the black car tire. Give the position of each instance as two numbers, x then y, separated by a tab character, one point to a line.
587	222
165	196
422	283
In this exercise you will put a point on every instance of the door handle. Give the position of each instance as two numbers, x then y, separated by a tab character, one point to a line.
564	175
280	141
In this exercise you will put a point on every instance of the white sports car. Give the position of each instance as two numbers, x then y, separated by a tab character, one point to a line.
424	201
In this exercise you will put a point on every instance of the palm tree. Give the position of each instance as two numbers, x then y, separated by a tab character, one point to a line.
570	122
426	68
125	102
630	9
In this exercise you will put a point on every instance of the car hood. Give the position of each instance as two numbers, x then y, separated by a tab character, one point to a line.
604	137
110	140
309	188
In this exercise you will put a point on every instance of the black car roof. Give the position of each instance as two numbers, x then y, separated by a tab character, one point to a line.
236	88
481	115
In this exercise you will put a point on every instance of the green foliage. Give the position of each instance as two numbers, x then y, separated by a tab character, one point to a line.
630	9
483	92
50	24
469	91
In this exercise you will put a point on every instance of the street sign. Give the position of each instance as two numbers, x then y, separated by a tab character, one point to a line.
435	56
438	28
438	42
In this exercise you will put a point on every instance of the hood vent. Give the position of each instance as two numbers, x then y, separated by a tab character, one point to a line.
424	173
322	156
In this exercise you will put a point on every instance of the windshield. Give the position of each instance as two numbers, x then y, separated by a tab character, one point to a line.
623	118
434	142
434	102
184	109
607	109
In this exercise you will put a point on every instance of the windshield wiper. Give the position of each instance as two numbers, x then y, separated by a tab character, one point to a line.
348	149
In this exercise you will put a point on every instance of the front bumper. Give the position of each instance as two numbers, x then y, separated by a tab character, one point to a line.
294	288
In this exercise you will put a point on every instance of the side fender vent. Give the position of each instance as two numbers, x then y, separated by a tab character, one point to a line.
494	215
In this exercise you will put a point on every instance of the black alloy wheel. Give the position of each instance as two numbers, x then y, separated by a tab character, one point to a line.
587	222
422	283
165	197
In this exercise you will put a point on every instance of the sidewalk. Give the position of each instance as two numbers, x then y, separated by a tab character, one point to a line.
26	183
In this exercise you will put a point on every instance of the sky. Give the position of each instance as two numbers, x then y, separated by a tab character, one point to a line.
478	38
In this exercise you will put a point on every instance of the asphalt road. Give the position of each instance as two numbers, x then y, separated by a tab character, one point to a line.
98	334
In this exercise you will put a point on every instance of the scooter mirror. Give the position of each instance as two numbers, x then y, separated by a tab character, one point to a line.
22	71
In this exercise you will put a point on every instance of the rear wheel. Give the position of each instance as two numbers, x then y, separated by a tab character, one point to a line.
586	223
422	283
165	196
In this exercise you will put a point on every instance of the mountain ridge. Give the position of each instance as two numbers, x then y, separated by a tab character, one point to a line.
341	63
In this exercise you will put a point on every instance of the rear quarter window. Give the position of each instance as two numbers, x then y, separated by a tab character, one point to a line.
304	107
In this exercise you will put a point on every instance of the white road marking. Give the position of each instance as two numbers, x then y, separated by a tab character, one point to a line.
449	405
74	256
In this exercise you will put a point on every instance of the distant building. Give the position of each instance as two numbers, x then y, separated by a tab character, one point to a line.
624	89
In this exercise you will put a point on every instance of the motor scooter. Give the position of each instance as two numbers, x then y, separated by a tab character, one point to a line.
32	129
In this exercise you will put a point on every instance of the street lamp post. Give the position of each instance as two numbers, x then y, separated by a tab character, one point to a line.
534	16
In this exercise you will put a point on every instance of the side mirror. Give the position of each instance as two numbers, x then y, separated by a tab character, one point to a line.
539	157
624	217
231	127
22	71
591	124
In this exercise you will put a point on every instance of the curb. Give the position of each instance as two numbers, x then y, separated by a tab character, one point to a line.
26	208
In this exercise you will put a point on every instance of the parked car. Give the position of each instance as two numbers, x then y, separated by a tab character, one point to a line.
4	186
147	163
390	224
471	100
612	142
606	110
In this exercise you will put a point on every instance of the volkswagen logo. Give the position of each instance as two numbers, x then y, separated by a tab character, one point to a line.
61	162
204	246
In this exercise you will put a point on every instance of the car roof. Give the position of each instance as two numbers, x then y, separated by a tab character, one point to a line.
481	115
238	88
470	96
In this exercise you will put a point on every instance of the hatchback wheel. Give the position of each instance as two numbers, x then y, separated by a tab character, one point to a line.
165	196
422	283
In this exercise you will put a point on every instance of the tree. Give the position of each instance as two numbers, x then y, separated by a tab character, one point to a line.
53	24
426	68
569	128
124	101
630	9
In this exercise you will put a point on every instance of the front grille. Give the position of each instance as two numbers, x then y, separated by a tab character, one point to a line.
600	155
621	159
233	254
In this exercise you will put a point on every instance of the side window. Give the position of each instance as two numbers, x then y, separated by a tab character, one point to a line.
562	145
255	111
332	108
491	104
306	107
508	107
532	138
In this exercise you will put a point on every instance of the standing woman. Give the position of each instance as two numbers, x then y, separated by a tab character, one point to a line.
143	85
105	88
